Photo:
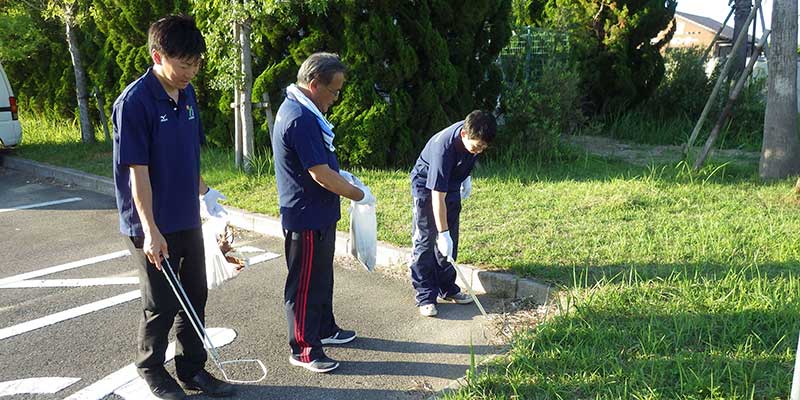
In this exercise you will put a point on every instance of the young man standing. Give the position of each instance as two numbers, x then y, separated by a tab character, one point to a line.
157	138
439	181
309	186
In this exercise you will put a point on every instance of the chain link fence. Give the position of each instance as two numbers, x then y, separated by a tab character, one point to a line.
530	49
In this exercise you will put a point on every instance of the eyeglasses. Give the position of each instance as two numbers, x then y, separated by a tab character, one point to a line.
335	94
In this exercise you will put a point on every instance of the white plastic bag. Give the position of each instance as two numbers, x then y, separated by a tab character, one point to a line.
363	241
218	269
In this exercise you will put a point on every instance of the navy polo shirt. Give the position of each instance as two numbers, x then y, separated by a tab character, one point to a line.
151	129
443	164
297	145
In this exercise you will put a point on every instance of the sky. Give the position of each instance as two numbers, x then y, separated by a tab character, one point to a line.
719	9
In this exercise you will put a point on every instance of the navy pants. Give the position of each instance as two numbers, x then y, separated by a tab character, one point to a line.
161	309
431	274
308	294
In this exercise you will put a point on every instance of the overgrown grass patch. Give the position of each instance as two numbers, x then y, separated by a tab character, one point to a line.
729	335
57	141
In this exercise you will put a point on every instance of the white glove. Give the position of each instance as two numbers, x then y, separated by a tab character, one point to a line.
466	188
210	203
347	176
445	244
368	197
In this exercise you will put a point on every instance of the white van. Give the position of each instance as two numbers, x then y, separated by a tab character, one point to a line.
10	129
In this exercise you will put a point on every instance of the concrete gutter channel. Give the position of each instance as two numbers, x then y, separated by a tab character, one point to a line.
496	284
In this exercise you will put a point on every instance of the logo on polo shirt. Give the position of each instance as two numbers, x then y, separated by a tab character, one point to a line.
190	109
164	118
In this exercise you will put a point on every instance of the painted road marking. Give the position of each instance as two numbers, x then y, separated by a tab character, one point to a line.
262	257
64	267
51	283
126	382
15	330
249	249
38	205
35	385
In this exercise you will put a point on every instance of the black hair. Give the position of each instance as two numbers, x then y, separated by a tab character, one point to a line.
321	66
480	125
176	36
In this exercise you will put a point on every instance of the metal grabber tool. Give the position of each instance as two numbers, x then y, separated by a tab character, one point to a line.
468	287
177	288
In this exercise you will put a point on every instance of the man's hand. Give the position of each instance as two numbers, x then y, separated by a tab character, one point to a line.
210	203
466	188
445	244
155	248
368	197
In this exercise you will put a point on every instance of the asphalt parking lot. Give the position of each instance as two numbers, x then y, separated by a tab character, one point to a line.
69	307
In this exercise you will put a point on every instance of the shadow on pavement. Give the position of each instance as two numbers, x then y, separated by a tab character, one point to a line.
393	346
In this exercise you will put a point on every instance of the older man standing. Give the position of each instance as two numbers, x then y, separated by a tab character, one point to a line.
309	186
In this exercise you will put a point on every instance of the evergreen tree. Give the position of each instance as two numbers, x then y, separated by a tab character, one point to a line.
414	68
620	66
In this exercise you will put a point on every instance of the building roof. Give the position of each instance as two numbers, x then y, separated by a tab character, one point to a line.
709	23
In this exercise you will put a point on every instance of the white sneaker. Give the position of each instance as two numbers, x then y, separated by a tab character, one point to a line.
459	298
428	310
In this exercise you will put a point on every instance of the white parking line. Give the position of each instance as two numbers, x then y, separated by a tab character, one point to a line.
51	283
126	383
45	204
6	333
63	267
35	385
263	257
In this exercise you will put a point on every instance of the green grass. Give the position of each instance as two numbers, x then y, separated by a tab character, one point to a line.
686	336
641	126
56	141
674	284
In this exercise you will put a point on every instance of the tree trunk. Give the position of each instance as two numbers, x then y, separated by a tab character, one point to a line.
247	95
780	149
237	115
742	10
87	132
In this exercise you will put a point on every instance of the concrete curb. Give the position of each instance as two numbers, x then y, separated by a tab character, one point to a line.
497	284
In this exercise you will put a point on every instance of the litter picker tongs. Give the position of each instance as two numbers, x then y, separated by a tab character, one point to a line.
468	287
177	288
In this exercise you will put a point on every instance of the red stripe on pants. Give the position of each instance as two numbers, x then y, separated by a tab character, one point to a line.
302	295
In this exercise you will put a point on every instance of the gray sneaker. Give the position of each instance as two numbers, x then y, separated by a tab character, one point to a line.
458	298
341	336
323	364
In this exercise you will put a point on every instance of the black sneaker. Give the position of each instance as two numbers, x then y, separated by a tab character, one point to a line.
167	389
340	337
208	384
323	364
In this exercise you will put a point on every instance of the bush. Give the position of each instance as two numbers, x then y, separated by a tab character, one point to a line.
685	87
671	114
536	111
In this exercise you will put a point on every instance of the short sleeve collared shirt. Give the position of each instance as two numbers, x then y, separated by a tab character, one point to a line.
443	164
151	129
297	145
